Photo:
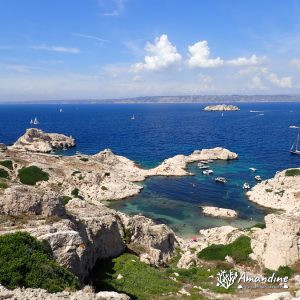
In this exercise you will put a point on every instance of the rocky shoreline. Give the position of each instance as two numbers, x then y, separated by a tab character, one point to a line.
66	210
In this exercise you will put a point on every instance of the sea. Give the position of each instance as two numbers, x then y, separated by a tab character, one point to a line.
259	133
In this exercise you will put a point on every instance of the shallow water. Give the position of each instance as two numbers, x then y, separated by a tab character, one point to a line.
163	130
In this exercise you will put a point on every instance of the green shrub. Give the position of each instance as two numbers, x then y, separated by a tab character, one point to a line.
3	173
7	164
3	185
257	225
27	262
269	190
84	159
75	192
104	188
31	175
75	172
292	172
281	272
239	250
66	199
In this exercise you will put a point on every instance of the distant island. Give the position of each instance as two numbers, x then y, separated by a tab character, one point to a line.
221	107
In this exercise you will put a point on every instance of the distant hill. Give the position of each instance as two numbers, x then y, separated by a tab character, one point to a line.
178	99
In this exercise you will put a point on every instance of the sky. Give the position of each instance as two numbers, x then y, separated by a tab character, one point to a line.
102	49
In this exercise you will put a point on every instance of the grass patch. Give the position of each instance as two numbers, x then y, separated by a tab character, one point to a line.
140	281
239	250
292	172
7	164
257	225
66	199
31	175
3	185
281	272
27	262
4	174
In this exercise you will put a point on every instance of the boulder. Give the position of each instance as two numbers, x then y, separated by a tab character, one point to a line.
218	212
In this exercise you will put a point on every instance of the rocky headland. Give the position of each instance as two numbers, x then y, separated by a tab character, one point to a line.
221	107
62	204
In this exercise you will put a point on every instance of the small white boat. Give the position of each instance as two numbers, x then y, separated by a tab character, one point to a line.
210	160
36	121
220	179
256	111
246	186
207	172
203	162
252	169
60	110
258	178
31	121
133	117
204	167
261	114
222	114
294	127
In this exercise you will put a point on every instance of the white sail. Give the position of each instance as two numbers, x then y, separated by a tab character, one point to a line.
36	121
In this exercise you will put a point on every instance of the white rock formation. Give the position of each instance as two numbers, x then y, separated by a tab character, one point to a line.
40	294
219	212
37	140
280	192
221	107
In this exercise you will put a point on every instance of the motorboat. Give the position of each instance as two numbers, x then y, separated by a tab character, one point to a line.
207	172
220	179
246	186
258	178
252	169
204	167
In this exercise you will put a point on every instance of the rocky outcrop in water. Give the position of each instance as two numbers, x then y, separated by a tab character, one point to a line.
218	212
37	140
221	107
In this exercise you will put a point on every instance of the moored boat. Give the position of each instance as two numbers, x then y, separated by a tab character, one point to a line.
252	169
294	148
246	186
207	172
221	179
258	178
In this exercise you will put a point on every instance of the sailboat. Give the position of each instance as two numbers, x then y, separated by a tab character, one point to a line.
31	121
60	110
36	122
294	148
133	117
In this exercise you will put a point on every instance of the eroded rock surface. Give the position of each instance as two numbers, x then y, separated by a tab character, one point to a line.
37	140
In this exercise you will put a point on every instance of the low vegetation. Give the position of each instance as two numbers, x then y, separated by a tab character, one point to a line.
7	164
4	174
27	262
31	175
66	199
292	172
281	272
3	185
84	159
143	282
75	192
257	225
239	250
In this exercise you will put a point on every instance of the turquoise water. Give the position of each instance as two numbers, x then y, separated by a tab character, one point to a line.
164	130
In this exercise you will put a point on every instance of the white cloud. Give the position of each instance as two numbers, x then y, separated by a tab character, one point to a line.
256	83
91	37
19	68
56	49
244	61
162	55
295	63
200	56
285	82
111	8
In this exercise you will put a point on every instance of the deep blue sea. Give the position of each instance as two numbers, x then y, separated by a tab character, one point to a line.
262	140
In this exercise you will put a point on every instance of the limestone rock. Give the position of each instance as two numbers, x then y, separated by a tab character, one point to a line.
277	244
40	294
19	200
277	296
221	107
36	140
3	147
218	212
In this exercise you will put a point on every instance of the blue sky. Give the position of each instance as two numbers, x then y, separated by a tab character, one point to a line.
83	49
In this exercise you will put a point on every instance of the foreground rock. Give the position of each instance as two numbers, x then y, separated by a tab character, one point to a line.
219	212
277	244
221	107
39	294
38	141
